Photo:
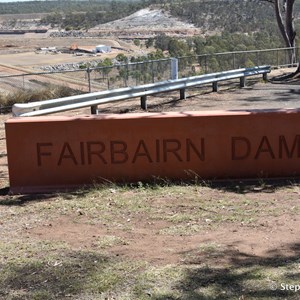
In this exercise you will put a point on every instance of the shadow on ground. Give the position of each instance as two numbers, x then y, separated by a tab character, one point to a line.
253	185
56	278
227	274
239	276
23	199
236	186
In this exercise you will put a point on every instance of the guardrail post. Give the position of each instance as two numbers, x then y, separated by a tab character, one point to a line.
242	81
182	94
94	110
144	102
215	86
265	76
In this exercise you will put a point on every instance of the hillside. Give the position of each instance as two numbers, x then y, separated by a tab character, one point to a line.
149	21
187	16
228	15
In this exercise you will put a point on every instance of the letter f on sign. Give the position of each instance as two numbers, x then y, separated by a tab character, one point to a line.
41	151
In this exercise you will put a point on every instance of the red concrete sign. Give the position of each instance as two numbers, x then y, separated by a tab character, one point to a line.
54	153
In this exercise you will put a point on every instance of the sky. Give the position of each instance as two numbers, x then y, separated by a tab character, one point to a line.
3	1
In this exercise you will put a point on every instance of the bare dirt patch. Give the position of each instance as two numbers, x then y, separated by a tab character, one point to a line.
33	41
148	243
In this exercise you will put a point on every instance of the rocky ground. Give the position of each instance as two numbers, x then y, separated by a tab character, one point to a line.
148	22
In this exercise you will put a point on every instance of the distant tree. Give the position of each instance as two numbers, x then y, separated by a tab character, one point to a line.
149	43
199	44
158	54
284	11
122	58
162	42
285	16
136	42
106	66
54	19
107	62
178	48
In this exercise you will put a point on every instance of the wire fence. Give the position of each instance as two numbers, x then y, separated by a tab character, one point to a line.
217	62
133	74
91	79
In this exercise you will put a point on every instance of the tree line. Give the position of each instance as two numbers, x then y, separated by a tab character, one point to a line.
210	15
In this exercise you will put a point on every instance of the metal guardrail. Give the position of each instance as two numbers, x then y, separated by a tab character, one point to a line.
142	91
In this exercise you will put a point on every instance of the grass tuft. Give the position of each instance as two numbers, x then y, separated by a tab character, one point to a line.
25	96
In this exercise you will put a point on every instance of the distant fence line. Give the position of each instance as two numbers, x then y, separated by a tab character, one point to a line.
133	74
224	61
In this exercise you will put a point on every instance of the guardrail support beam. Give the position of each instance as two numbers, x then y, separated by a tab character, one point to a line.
215	86
242	81
182	94
265	76
144	102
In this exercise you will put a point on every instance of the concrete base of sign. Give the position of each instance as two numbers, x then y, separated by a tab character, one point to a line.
56	153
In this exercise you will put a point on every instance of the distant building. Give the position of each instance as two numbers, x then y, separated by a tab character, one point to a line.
50	49
91	49
103	49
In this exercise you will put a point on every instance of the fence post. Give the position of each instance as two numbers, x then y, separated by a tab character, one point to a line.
174	68
233	60
88	70
126	74
152	67
294	56
94	107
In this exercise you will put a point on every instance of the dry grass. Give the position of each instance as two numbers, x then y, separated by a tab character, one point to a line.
106	257
25	96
